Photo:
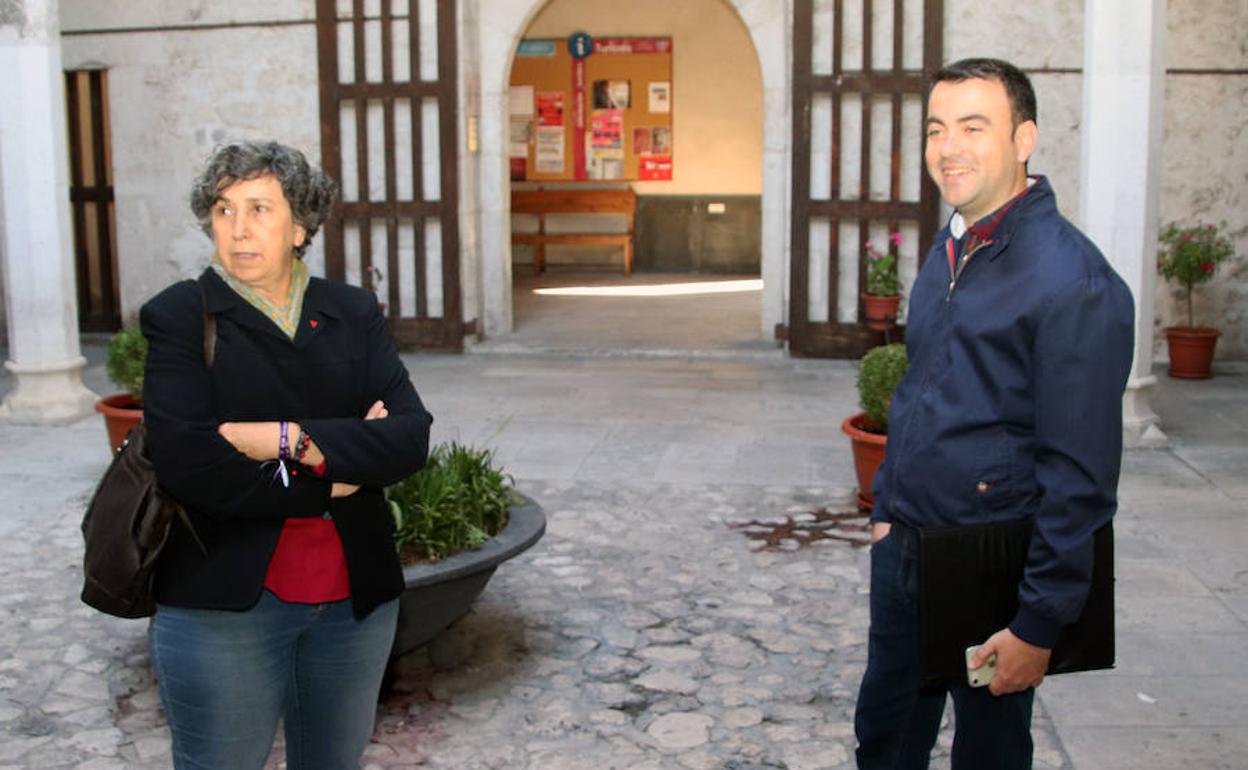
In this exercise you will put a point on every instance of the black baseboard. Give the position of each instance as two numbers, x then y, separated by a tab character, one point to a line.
679	234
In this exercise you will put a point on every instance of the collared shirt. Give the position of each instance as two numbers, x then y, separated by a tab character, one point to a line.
1011	406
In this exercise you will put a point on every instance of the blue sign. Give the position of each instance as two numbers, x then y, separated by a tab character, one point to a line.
536	48
580	45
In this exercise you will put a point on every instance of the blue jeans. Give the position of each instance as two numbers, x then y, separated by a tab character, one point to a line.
227	677
896	721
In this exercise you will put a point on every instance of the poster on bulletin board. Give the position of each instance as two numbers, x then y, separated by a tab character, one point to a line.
603	114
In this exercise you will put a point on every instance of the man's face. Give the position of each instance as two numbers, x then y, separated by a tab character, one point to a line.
974	153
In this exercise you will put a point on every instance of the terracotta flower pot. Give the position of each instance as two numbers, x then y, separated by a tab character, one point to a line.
121	413
868	454
1191	351
880	313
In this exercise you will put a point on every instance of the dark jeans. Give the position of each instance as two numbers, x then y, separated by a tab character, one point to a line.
227	677
896	721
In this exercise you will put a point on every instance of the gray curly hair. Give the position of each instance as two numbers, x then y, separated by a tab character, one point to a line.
309	191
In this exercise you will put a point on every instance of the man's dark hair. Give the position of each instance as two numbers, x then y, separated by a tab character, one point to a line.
1017	85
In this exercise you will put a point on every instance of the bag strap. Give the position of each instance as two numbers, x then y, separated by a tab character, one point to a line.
210	329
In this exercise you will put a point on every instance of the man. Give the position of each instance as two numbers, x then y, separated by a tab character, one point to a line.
1020	342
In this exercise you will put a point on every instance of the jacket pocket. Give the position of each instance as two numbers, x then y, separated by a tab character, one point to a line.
996	483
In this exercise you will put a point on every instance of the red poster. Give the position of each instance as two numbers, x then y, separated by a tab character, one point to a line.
608	45
608	127
655	168
578	105
550	108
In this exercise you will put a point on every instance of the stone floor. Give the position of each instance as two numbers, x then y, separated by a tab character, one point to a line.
647	629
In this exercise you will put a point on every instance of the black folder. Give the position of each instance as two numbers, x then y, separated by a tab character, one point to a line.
968	590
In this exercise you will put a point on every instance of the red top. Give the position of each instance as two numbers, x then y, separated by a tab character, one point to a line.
308	565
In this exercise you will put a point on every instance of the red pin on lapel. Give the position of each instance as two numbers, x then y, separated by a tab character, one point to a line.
313	322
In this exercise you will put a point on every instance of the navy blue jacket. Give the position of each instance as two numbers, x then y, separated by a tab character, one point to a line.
340	361
1012	404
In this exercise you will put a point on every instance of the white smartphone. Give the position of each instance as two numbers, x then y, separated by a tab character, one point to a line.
982	676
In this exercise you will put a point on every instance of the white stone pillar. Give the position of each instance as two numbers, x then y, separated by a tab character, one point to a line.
35	240
1124	64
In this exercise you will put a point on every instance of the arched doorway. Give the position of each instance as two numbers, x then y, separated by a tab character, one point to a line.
636	178
765	29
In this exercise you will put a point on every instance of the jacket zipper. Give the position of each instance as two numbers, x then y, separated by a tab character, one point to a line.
956	274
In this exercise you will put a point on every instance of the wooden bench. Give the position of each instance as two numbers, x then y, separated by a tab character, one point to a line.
566	201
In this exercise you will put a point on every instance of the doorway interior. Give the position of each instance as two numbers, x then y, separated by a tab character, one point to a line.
694	282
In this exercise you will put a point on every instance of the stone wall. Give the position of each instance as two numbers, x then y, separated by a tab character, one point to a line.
184	78
1204	174
187	76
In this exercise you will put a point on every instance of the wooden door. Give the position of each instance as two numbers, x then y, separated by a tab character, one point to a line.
860	75
91	200
388	77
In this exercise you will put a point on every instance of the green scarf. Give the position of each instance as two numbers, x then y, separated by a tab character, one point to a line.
287	316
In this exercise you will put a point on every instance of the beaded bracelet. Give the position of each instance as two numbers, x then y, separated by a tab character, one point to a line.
301	445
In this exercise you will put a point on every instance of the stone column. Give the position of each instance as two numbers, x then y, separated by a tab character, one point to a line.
35	240
1124	64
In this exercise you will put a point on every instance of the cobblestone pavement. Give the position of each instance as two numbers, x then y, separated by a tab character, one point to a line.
642	632
647	629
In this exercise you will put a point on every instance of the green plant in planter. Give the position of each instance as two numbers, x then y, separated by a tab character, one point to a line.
127	357
1190	255
879	373
882	278
456	502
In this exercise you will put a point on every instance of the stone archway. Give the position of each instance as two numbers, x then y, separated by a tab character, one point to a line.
497	36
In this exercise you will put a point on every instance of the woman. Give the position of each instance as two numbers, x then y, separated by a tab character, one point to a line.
282	602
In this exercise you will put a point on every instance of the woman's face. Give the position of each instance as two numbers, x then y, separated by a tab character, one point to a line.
256	235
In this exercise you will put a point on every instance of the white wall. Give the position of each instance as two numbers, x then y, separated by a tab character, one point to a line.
175	95
1205	149
717	87
1205	158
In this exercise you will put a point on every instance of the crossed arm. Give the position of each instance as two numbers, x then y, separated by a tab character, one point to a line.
261	441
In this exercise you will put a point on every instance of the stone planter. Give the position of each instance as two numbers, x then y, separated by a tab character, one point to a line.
868	454
439	593
121	413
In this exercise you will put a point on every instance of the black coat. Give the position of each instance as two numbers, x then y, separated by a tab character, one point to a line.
340	361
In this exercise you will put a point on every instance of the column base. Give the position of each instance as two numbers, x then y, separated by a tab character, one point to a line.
48	393
1141	427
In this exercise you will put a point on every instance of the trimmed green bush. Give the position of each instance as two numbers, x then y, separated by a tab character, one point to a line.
127	356
455	503
878	374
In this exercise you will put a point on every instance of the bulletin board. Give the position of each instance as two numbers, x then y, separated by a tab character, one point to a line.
606	115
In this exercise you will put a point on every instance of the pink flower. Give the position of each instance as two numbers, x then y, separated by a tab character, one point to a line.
894	238
1207	266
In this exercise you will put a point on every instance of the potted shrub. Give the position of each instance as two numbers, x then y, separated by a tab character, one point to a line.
878	374
127	356
883	295
456	520
1189	256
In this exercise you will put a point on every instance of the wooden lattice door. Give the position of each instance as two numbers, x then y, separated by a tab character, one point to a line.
860	74
91	200
388	135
